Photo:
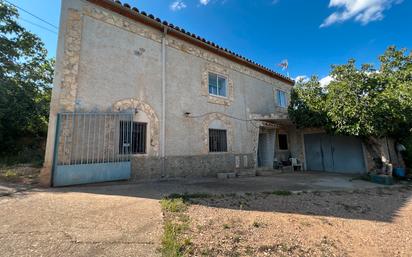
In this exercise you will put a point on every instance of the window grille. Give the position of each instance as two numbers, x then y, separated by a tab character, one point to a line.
134	142
217	140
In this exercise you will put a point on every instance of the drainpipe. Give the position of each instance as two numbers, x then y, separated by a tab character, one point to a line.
163	125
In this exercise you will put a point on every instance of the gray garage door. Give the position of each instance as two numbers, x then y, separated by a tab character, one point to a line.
334	153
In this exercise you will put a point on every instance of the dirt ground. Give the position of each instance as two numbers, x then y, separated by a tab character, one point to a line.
125	219
68	223
372	222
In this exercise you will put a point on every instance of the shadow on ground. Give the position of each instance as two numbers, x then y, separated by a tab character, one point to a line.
320	194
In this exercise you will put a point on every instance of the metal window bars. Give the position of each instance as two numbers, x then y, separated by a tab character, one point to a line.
217	140
88	138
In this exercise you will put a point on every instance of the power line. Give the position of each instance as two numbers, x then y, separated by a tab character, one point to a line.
37	17
252	122
40	26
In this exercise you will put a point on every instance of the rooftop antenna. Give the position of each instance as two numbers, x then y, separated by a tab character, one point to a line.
285	65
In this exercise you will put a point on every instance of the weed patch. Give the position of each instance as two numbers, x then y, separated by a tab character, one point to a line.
173	205
175	242
257	224
172	243
10	176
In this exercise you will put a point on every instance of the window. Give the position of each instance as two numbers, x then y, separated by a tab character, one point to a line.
281	99
217	85
217	140
283	141
132	138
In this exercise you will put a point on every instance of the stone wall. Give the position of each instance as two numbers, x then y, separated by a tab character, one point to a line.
188	166
73	39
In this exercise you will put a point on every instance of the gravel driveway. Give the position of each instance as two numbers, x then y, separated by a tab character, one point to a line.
95	221
370	222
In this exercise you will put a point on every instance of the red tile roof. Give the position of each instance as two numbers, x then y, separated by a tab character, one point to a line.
150	20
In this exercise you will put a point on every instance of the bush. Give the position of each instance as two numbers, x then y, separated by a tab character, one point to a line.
24	152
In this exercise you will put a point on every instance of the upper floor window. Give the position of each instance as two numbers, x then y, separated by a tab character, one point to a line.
217	85
281	98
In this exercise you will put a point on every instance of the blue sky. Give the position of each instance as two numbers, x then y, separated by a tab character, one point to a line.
312	35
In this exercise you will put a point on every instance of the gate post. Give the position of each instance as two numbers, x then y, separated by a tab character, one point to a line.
46	173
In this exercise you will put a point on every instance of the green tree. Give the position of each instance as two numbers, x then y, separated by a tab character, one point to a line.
365	102
307	107
25	85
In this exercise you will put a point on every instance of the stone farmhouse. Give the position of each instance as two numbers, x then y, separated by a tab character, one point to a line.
138	98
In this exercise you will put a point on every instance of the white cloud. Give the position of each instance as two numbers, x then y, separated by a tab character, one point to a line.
325	81
178	5
363	11
204	2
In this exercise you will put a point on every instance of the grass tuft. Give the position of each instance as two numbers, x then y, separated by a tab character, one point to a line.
173	204
176	223
171	245
256	224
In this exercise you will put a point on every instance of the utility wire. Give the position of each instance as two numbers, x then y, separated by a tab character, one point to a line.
224	114
252	122
40	26
37	17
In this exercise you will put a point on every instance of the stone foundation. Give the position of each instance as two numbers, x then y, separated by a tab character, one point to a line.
188	166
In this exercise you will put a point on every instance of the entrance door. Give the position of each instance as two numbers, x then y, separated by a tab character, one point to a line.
92	147
266	148
334	153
